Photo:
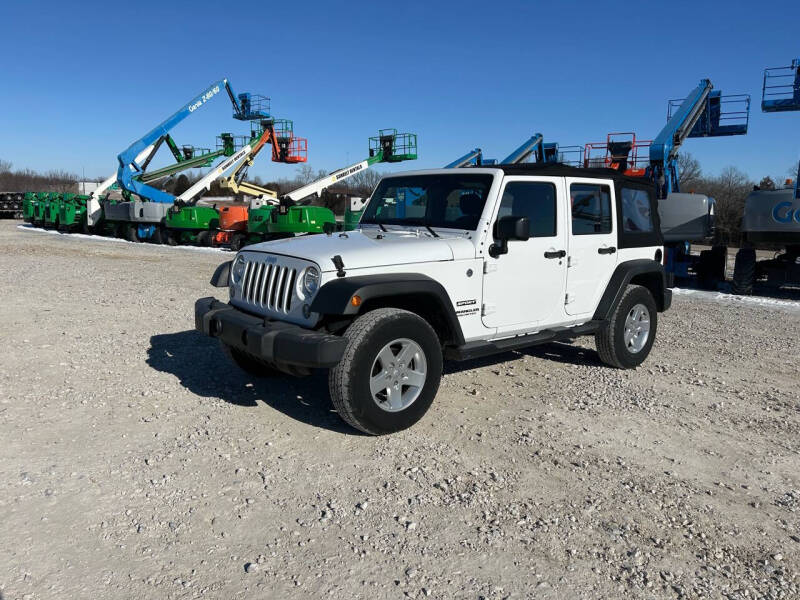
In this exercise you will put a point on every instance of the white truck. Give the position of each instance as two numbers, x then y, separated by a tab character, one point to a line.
447	264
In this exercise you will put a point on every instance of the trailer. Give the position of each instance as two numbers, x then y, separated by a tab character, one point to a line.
11	205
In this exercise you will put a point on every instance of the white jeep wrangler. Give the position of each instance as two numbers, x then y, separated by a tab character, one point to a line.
448	263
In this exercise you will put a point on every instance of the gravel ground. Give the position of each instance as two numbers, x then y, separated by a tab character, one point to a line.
136	463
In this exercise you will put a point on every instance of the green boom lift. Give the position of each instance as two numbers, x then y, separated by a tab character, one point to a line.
295	212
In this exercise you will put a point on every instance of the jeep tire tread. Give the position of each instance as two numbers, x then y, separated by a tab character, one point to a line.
349	381
609	340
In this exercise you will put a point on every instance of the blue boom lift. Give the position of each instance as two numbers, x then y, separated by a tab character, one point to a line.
772	216
532	147
687	218
146	206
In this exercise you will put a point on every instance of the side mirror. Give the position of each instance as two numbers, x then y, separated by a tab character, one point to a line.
509	229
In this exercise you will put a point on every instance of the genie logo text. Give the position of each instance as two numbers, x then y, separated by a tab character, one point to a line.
784	212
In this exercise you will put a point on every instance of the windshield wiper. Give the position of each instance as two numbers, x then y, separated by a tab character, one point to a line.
433	233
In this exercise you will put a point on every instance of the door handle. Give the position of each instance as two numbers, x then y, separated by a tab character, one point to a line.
555	254
609	250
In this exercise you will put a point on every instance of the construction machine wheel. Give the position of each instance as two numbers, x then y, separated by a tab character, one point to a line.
744	271
130	233
711	267
203	239
237	241
159	235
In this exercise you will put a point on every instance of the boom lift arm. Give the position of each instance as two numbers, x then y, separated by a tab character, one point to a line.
131	167
285	148
533	146
473	157
700	114
93	209
387	146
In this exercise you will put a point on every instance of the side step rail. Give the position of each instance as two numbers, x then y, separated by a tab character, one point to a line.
482	348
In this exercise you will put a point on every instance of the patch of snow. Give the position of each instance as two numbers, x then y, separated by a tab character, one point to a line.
102	238
734	299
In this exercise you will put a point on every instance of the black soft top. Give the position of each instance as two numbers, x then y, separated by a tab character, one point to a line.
562	170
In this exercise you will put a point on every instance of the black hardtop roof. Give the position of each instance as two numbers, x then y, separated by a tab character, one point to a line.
562	170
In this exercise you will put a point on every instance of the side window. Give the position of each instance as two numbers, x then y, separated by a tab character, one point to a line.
533	199
591	208
636	216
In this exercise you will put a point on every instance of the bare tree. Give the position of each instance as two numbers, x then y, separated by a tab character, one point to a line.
363	182
305	174
689	171
729	189
5	166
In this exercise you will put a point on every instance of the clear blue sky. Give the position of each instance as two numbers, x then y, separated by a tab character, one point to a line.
81	81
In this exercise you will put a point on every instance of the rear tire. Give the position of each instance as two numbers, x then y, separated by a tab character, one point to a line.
626	339
389	373
744	272
248	363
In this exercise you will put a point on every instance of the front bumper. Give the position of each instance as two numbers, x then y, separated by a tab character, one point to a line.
273	341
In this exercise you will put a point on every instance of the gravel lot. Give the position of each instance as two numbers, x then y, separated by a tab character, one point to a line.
136	463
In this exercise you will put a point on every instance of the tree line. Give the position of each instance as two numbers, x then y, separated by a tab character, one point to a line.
729	189
27	180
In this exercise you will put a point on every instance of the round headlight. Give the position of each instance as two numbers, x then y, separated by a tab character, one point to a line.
311	281
237	271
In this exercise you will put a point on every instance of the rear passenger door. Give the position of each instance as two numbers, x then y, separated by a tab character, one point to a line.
592	244
525	287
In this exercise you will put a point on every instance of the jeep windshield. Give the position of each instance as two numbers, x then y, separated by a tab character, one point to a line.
443	200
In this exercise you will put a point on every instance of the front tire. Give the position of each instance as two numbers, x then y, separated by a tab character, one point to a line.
626	339
389	373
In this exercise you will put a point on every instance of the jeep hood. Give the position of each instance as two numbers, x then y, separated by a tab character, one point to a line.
362	249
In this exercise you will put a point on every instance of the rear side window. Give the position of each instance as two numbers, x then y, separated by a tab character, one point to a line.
591	208
533	199
636	214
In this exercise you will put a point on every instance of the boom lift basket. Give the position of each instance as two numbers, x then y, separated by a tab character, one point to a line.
570	155
781	89
721	115
190	152
621	151
293	150
253	107
396	147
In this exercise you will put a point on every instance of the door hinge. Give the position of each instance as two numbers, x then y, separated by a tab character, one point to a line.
488	309
570	261
489	267
567	299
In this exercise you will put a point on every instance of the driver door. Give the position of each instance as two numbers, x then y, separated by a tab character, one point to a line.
525	288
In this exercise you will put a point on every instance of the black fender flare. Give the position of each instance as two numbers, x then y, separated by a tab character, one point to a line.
623	275
221	276
334	297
